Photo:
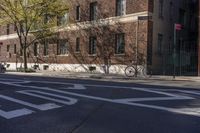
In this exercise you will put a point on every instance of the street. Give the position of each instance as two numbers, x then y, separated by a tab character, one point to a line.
58	105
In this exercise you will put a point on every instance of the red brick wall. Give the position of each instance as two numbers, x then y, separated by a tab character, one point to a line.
107	8
105	37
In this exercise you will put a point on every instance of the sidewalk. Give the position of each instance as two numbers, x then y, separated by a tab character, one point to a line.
183	81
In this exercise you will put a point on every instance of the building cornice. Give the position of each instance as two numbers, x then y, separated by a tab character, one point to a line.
88	24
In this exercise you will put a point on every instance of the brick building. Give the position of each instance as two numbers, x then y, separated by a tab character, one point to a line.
96	34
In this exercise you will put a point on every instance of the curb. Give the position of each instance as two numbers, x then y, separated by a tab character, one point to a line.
167	82
100	76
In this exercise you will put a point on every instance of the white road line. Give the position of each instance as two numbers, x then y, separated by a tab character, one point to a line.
24	82
17	80
183	111
190	92
176	90
39	107
76	87
189	111
60	91
70	101
153	91
154	99
15	113
61	83
113	100
121	101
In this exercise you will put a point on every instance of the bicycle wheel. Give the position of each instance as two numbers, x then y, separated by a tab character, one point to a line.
145	73
130	71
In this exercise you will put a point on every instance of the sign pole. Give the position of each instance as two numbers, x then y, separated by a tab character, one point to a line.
174	53
177	27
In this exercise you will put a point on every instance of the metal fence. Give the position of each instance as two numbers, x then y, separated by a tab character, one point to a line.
186	59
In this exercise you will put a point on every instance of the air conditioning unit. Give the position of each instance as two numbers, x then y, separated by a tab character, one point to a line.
46	67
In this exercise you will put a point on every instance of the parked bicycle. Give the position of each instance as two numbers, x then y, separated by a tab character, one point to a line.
2	68
134	70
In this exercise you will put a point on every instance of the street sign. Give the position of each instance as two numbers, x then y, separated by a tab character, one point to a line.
178	26
144	17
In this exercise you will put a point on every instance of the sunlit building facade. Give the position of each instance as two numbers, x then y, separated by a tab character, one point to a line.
96	34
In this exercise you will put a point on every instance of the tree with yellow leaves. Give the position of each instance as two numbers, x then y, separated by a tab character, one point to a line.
33	19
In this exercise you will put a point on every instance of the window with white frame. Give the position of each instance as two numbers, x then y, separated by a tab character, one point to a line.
93	11
15	49
78	10
36	49
8	29
92	45
63	47
8	48
46	48
63	20
77	44
120	7
120	43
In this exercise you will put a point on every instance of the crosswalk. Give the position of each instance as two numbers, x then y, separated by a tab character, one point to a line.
58	97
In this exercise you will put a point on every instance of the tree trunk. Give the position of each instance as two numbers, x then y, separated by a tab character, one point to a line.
25	59
107	69
106	66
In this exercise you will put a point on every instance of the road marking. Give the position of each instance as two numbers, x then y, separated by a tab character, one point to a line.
61	83
42	107
76	87
191	92
153	99
183	91
121	101
20	82
70	101
15	113
189	111
125	101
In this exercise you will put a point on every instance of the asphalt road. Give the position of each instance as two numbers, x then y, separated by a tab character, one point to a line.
55	105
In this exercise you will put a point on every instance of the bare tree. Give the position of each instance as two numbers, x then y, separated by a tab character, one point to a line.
102	30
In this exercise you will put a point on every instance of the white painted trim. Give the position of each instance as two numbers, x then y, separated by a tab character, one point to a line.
101	22
71	67
88	24
7	37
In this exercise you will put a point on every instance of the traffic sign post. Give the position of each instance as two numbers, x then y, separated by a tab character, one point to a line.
177	27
